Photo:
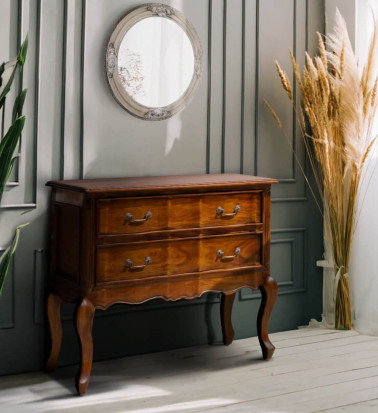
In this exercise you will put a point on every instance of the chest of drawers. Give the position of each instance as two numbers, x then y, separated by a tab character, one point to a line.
129	240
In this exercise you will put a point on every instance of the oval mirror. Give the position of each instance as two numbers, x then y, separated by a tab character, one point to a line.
153	61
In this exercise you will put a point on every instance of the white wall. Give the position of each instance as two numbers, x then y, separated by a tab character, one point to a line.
364	264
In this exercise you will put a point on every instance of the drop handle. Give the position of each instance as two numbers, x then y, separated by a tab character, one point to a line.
220	254
220	211
130	265
129	217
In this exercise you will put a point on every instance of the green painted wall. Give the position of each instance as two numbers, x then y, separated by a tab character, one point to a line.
76	129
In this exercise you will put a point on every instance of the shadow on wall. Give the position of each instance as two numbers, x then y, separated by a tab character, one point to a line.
147	154
173	133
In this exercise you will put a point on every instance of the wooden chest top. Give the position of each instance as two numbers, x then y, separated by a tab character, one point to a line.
164	184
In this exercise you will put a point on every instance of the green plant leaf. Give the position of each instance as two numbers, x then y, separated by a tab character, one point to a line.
5	66
2	69
20	60
10	167
18	105
16	127
7	148
6	258
23	51
7	87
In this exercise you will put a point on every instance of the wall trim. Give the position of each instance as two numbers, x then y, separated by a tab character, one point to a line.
293	199
224	91
257	88
39	283
209	74
242	90
63	91
10	278
83	22
245	295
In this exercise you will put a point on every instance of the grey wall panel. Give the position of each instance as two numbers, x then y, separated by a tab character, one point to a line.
71	78
75	128
274	156
233	65
7	301
114	142
216	78
288	262
250	26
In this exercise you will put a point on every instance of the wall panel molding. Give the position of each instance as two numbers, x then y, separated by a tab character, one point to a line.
294	281
22	189
209	74
7	302
82	62
39	286
71	97
293	185
224	85
75	129
216	118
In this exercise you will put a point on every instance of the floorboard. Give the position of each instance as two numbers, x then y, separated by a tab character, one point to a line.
313	370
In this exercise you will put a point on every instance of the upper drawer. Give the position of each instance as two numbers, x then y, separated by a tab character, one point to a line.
231	209
133	215
130	215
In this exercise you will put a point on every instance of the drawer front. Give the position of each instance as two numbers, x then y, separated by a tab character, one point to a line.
133	215
219	253
135	261
231	209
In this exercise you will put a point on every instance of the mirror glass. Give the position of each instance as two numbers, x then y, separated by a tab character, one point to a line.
155	62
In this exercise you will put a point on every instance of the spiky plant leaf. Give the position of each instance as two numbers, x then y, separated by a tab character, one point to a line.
10	167
7	148
7	87
19	61
2	68
5	66
23	51
18	105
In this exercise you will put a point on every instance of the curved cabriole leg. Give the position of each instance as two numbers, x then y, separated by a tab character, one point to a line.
269	294
84	322
55	325
228	332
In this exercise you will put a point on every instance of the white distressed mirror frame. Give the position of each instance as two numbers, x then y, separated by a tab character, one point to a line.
111	61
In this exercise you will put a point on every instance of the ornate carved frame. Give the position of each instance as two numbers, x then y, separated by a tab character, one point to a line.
111	59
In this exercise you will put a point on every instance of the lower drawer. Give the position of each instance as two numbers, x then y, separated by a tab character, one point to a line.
153	259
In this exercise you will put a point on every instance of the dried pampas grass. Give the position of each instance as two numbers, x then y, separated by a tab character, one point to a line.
339	102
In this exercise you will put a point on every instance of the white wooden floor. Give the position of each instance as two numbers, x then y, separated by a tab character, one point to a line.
313	370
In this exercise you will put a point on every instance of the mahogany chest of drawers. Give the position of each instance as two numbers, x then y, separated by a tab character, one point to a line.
129	240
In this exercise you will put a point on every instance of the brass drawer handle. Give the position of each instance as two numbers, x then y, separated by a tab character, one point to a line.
129	217
220	211
220	254
129	264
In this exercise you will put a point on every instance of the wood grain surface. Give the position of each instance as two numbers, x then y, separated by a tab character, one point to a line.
176	256
130	240
172	213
